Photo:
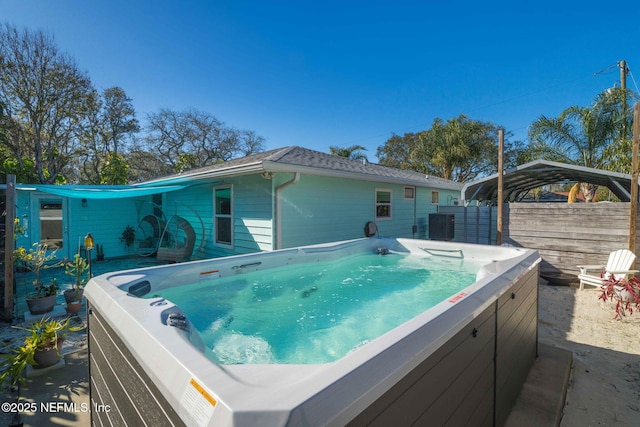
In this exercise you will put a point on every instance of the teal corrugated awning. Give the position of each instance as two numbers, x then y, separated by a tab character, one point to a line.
99	191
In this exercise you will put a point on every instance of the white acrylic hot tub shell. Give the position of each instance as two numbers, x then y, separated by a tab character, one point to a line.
332	393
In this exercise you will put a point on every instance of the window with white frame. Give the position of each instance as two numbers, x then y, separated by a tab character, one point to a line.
409	193
434	197
383	204
223	215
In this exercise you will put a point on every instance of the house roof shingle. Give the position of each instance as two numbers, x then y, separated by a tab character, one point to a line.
299	159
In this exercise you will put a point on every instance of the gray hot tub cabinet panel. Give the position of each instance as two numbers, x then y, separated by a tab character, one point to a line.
119	383
475	378
453	382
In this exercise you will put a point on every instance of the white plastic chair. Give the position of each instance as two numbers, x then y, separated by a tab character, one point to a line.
618	266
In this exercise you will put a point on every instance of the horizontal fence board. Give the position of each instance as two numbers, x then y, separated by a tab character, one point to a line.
565	234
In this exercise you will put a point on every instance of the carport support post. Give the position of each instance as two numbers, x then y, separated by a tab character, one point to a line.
633	214
500	184
9	244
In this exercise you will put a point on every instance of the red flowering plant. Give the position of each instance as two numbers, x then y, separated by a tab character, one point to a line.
625	292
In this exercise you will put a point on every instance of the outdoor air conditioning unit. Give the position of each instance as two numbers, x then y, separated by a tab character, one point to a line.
441	227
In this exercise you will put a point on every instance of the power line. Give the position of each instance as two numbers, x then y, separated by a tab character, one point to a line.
634	81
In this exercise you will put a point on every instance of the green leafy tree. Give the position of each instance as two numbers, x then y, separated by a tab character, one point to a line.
110	127
620	104
595	136
354	152
145	165
185	162
115	170
459	149
398	152
119	117
46	97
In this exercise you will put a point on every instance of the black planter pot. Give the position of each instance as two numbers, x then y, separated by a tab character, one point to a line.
46	358
41	305
70	295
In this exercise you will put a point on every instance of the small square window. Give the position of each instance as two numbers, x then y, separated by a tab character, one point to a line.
409	193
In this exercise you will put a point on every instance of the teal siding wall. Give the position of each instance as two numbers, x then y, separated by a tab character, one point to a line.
252	215
317	210
195	205
321	209
104	219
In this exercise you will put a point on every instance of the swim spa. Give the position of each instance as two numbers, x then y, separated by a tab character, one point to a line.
155	335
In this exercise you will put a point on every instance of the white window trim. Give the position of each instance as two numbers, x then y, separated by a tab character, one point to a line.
438	196
215	216
405	193
375	209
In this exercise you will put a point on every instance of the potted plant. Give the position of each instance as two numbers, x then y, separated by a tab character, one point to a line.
36	259
40	349
128	236
625	292
73	296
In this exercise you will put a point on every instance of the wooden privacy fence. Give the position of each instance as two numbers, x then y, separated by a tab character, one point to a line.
568	234
565	234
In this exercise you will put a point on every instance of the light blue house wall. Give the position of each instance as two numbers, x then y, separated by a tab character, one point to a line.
104	219
316	209
252	214
323	209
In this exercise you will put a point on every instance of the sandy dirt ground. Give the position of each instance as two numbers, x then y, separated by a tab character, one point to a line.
12	337
604	389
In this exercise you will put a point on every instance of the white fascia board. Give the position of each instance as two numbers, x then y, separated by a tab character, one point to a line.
204	175
283	167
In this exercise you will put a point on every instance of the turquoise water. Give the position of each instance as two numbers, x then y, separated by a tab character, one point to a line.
315	313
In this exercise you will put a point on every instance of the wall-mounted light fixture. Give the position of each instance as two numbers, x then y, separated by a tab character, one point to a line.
84	203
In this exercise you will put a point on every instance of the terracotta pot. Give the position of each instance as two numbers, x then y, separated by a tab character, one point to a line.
41	305
46	358
70	294
74	307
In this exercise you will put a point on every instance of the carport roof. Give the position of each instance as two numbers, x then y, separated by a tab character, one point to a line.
517	182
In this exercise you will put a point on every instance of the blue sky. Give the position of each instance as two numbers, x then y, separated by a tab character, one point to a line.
345	73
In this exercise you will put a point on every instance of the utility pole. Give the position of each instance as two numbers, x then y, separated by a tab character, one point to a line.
9	246
633	214
500	184
623	74
623	91
623	85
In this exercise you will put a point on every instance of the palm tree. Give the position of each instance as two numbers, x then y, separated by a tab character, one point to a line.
354	152
583	136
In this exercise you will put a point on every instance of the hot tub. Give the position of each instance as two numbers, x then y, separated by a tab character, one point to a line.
462	361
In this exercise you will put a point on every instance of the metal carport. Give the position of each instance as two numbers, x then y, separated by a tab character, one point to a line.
518	181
